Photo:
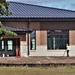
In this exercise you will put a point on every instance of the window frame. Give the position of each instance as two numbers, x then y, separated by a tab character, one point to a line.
4	46
57	38
12	45
32	41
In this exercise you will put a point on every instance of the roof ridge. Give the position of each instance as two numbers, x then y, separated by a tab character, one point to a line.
43	6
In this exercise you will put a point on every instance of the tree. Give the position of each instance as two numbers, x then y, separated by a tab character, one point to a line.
4	11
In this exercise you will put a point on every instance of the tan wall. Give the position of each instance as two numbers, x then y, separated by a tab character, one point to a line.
57	25
72	37
16	24
37	38
42	25
22	37
42	35
33	25
41	38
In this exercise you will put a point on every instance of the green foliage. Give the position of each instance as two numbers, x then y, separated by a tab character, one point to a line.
5	11
0	24
4	8
6	32
9	32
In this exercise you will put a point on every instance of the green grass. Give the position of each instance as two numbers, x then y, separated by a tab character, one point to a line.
67	70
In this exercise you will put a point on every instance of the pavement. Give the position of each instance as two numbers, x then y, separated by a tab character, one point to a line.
40	60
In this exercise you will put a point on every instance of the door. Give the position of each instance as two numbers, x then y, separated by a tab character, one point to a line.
8	46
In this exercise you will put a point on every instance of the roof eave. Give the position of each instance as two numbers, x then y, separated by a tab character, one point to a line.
38	19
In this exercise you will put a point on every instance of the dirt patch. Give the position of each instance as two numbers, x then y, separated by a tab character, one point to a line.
37	59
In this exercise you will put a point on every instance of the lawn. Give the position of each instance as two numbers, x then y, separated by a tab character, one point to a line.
68	70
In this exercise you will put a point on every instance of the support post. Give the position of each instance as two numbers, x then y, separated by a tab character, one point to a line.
28	36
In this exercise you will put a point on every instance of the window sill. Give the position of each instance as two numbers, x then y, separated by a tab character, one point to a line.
32	50
2	50
62	50
9	50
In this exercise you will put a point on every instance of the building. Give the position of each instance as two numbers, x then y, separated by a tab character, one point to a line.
42	31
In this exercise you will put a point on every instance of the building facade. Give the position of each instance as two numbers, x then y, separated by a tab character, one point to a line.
42	31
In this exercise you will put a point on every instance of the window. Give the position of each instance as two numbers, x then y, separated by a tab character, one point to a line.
57	39
1	45
10	44
33	40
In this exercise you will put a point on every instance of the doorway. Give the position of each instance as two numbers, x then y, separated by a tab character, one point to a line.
8	46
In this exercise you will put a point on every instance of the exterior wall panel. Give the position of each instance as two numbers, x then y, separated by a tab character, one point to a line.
57	25
38	38
16	24
72	42
35	25
23	45
41	37
72	37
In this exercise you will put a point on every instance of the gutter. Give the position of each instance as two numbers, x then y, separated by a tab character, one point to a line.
29	31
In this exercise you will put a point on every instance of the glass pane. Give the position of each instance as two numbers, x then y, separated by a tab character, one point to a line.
33	47
57	43
9	42
1	45
10	45
57	39
50	43
33	40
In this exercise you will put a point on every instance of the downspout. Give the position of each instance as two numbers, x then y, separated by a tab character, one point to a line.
28	36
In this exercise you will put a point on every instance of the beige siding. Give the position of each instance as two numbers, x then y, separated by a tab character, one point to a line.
57	25
72	37
22	37
43	37
16	24
37	38
35	25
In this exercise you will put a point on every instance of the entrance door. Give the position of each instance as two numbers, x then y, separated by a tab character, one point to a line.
8	46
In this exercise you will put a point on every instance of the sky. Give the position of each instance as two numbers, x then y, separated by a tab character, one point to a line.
63	4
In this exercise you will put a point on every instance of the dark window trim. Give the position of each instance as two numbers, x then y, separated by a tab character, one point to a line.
47	40
12	45
35	41
4	45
